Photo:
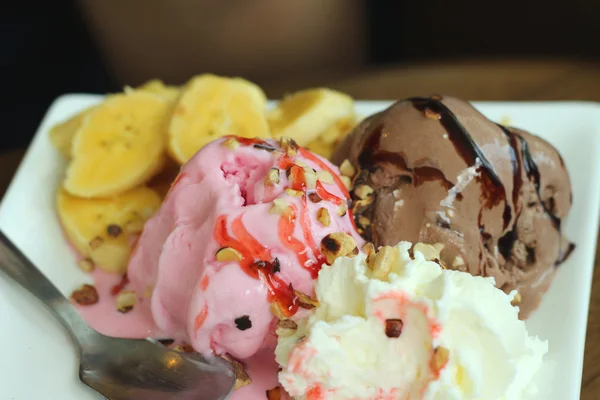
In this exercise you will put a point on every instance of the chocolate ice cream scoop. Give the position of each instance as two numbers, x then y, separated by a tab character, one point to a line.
436	170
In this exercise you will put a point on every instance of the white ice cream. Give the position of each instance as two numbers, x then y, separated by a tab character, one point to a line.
460	337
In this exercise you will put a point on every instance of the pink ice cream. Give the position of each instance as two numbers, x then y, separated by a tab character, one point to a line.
257	206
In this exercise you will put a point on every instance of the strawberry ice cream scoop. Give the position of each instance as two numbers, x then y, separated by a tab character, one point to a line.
241	235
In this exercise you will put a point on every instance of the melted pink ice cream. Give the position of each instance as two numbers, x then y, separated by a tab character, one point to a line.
220	199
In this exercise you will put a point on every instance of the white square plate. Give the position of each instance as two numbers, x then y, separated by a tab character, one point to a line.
39	361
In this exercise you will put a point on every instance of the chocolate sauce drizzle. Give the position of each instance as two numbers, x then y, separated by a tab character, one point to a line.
493	190
519	146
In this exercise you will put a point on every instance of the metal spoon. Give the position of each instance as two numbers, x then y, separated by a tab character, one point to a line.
123	369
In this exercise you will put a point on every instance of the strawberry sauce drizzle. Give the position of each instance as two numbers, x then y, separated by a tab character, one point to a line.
115	290
257	260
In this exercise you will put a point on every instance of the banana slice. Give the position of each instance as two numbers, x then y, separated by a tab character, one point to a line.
103	230
61	135
120	145
156	86
211	107
309	114
327	142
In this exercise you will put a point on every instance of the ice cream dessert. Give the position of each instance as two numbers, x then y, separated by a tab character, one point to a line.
435	170
394	325
238	242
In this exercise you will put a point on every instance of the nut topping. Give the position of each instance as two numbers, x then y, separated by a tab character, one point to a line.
231	143
342	210
384	260
85	296
432	115
347	169
286	328
272	177
228	254
279	207
369	250
324	176
363	221
323	216
310	178
241	377
439	359
347	181
363	191
277	311
393	327
274	394
306	301
126	300
338	244
114	230
86	265
517	299
289	146
293	193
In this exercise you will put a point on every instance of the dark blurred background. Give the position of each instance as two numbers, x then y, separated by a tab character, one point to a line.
53	47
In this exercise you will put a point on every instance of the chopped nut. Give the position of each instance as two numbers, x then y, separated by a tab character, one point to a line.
362	204
241	377
517	299
306	301
325	176
126	300
86	265
272	177
336	245
114	230
428	251
231	143
347	182
289	146
458	261
148	291
363	221
323	216
369	250
310	178
274	394
439	359
384	260
277	311
85	295
347	169
393	327
363	191
228	254
342	210
292	192
286	328
96	242
279	207
432	115
314	197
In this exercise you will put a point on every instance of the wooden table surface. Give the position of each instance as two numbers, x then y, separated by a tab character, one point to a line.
473	80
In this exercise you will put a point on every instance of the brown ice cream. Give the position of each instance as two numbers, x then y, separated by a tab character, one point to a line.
440	172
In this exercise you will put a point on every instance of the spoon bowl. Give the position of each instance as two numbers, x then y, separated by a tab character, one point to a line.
123	369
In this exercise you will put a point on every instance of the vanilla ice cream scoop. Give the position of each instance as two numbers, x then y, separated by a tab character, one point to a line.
394	325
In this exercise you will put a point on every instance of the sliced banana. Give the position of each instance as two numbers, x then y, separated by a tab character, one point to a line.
313	114
211	107
120	145
102	229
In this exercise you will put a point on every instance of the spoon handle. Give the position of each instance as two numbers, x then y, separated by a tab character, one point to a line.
21	270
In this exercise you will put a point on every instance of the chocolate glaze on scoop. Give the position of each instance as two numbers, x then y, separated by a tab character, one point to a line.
443	173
